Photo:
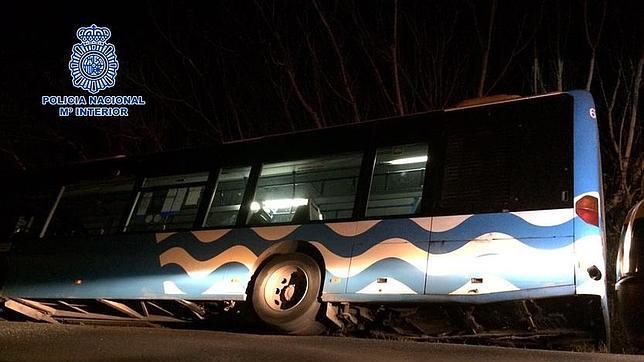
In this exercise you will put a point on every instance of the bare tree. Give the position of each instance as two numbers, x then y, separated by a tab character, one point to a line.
346	81
561	40
622	104
396	64
593	42
486	46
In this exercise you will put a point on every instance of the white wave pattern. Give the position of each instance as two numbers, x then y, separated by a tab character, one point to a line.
436	224
209	236
490	284
594	194
476	258
348	229
446	223
489	254
391	248
392	286
197	269
493	256
546	217
273	233
335	264
500	254
423	222
169	287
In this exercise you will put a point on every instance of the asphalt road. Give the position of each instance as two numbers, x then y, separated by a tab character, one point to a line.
45	342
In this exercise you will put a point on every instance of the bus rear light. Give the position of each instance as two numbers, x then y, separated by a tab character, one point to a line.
587	209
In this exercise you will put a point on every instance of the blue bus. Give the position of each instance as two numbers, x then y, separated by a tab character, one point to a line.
472	206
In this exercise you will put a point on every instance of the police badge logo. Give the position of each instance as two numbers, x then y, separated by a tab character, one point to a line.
93	63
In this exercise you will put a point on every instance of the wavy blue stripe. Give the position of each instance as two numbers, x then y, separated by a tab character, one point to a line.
535	236
445	247
583	229
541	237
336	243
392	268
342	245
204	251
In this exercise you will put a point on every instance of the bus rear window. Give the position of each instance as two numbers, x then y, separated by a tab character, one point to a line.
508	157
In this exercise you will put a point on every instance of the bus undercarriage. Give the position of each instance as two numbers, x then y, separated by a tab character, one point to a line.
565	323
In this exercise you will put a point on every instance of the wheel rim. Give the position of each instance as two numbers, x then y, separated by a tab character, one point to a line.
286	288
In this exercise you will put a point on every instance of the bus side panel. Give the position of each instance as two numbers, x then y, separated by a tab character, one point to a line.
500	253
218	264
389	258
213	264
376	258
123	266
206	265
200	265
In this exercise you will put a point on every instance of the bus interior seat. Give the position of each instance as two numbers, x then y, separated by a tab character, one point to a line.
306	213
261	216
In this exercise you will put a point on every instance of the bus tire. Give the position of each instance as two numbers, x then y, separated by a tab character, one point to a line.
286	292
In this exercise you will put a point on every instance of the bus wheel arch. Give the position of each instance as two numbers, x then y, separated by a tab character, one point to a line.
286	285
288	247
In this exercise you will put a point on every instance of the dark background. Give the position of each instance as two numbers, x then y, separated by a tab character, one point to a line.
217	71
224	70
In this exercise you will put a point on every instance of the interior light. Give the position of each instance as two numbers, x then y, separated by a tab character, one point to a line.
407	160
278	204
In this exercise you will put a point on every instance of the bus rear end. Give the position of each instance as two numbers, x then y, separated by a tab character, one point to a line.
589	229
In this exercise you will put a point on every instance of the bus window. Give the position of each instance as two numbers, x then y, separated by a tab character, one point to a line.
228	196
28	212
305	190
91	208
397	183
168	202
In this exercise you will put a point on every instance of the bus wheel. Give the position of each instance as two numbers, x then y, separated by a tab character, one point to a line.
286	294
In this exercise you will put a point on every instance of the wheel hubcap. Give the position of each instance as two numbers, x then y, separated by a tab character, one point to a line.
285	288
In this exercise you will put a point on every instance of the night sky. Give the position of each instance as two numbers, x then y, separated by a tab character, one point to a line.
227	70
